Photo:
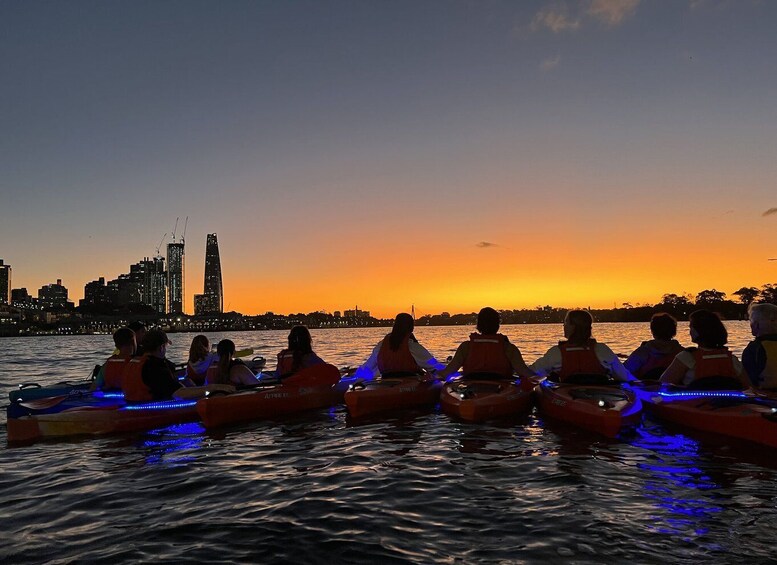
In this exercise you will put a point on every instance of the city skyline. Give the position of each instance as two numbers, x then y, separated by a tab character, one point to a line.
448	155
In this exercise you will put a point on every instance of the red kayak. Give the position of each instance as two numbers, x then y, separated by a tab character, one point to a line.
311	388
364	398
604	409
732	413
481	400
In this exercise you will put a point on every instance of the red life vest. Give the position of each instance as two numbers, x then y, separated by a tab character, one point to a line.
657	362
399	361
579	360
285	363
487	355
713	363
135	390
114	371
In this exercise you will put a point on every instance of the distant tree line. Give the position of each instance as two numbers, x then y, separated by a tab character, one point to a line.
678	305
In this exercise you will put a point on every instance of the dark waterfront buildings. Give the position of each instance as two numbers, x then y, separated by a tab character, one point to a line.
211	301
53	295
175	277
5	283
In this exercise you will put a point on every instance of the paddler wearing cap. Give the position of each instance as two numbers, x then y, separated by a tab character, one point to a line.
149	377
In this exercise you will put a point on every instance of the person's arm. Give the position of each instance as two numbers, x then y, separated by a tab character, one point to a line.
456	363
636	360
548	363
744	380
369	369
610	361
516	360
424	359
239	374
99	380
754	363
675	372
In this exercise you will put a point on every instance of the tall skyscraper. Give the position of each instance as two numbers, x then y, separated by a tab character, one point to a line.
175	277
154	283
5	283
213	289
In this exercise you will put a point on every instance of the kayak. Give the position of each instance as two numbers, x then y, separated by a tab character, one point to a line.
480	400
32	391
365	398
311	388
604	409
731	413
91	414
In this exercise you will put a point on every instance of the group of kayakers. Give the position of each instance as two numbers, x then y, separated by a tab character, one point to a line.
140	369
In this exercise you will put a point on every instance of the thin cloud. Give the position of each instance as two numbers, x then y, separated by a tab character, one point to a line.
556	18
550	63
485	244
769	212
612	12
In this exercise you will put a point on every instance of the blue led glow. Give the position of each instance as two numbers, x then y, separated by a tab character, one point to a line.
102	394
164	405
704	394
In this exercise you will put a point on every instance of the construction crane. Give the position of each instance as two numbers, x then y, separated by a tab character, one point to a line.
186	223
174	229
158	247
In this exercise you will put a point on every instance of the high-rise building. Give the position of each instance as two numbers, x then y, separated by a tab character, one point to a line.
214	290
154	283
96	293
5	283
175	277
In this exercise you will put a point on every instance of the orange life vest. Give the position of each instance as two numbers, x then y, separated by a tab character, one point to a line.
579	360
713	363
487	355
399	361
114	371
135	390
657	362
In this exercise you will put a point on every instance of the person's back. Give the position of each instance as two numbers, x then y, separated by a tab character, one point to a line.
111	374
580	355
652	357
149	377
228	370
760	356
487	353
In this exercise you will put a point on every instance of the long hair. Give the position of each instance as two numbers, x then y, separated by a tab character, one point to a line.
403	327
710	331
581	326
199	348
300	344
225	349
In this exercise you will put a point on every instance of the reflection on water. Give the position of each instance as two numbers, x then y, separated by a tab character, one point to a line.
412	487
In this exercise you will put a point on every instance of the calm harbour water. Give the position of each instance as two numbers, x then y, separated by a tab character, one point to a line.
421	488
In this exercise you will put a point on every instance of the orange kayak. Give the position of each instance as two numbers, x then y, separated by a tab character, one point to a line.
604	409
731	413
311	388
480	400
364	398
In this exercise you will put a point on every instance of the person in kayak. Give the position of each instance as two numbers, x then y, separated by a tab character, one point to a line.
651	359
487	354
399	353
760	356
299	354
200	358
229	370
140	333
710	365
112	372
580	357
150	377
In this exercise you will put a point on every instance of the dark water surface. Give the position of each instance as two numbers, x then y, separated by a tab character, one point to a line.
420	488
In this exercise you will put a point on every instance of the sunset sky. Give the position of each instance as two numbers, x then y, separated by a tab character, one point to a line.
445	154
